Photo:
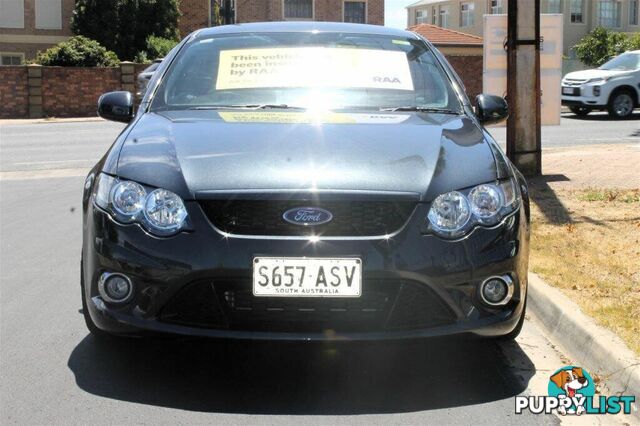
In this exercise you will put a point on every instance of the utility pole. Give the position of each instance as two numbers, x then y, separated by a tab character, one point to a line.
523	86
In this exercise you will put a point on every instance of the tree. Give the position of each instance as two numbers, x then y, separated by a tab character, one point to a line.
124	25
602	44
157	47
78	51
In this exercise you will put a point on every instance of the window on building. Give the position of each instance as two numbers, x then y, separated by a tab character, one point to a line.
422	17
467	14
11	58
577	11
12	14
495	7
633	12
355	12
444	16
554	6
49	14
434	16
298	9
608	13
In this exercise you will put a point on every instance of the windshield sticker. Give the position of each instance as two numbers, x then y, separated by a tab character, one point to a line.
310	118
313	67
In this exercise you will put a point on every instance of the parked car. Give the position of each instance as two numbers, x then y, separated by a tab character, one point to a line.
615	87
145	76
307	181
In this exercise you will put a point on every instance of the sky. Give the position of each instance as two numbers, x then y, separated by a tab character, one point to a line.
395	14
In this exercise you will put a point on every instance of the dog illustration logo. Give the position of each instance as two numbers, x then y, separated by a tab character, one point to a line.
574	383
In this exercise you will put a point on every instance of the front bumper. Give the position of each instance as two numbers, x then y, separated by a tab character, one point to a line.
199	283
590	95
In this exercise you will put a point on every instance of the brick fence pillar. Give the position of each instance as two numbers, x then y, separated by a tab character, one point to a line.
127	76
34	82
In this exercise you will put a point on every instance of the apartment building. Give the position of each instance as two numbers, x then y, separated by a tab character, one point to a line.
27	26
580	16
203	13
354	11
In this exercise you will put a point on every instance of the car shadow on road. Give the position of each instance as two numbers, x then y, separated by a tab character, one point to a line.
299	378
599	117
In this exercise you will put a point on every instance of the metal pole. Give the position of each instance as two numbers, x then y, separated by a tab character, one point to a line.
523	86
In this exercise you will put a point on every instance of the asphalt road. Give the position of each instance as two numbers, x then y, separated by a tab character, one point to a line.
53	372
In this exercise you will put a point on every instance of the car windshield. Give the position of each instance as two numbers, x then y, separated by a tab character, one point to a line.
325	71
624	62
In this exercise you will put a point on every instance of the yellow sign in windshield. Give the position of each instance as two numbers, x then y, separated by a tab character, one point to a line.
313	67
310	118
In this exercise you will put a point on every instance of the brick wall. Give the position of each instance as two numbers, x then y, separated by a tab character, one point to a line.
14	93
195	15
469	68
74	92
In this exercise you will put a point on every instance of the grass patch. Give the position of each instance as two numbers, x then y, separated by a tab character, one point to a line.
610	195
587	243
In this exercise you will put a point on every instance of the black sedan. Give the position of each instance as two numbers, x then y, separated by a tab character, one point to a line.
304	181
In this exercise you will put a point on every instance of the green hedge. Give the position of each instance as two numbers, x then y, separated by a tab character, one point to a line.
78	51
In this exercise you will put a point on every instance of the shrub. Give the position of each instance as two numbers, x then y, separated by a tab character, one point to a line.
78	51
125	25
602	44
157	47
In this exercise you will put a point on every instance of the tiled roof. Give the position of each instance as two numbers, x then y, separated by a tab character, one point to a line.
439	36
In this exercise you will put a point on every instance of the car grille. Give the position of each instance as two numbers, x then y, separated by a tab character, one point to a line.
383	306
350	218
573	82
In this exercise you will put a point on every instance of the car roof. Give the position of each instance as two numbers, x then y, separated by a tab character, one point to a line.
303	27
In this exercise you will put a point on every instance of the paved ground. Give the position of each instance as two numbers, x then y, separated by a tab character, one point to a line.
594	129
51	371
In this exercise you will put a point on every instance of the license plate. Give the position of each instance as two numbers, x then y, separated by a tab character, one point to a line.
568	90
307	277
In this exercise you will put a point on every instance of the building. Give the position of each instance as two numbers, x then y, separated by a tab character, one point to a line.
28	26
241	11
580	16
463	51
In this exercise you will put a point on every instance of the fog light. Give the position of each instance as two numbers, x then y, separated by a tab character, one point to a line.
496	291
596	91
115	288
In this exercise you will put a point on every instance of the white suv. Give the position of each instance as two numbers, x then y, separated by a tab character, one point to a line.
614	87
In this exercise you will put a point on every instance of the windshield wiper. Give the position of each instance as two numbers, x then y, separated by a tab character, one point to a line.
420	109
249	106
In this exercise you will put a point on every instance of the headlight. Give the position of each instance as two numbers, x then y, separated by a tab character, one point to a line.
453	214
160	211
164	210
128	199
598	80
486	202
449	213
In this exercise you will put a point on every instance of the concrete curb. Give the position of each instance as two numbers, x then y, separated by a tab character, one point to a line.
589	345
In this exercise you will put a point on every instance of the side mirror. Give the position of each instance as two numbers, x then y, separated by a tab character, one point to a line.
116	106
491	109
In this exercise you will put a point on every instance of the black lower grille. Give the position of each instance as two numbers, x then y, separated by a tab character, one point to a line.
383	305
350	218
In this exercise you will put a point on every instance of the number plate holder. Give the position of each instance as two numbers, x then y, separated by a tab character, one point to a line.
307	277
